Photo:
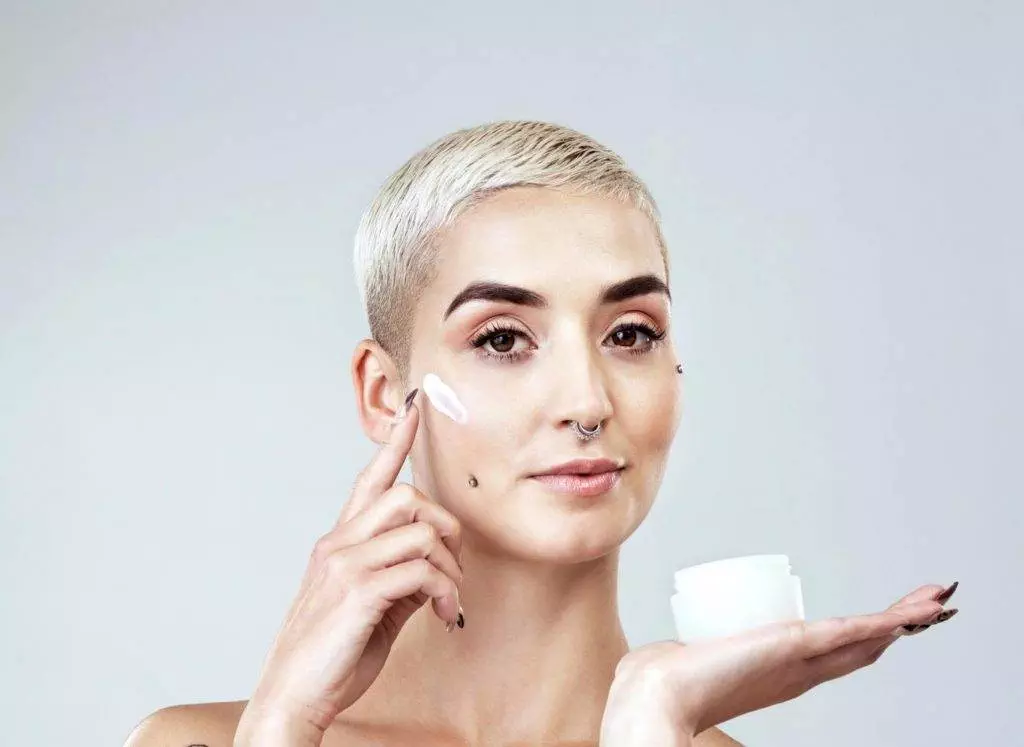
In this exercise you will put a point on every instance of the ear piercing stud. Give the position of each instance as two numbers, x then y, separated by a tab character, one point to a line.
679	368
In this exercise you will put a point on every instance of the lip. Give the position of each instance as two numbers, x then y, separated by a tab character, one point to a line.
582	485
581	467
582	477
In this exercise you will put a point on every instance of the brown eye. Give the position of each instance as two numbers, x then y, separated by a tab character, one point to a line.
625	337
502	342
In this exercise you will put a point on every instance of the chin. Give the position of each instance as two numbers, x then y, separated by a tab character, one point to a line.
565	533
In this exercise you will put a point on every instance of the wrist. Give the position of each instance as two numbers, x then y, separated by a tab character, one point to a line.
262	726
643	731
638	712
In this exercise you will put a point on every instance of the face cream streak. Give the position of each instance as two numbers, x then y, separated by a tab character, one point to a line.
444	399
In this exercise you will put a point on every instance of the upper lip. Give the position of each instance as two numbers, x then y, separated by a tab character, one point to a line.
581	467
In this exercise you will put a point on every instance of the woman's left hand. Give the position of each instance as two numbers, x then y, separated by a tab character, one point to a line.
670	692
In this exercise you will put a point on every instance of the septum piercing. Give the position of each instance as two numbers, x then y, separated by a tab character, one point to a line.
585	434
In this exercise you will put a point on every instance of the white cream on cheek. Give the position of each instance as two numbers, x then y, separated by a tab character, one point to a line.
443	398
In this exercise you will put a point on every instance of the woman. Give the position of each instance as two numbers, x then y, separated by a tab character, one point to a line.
523	264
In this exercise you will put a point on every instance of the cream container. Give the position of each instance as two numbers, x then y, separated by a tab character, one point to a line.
730	596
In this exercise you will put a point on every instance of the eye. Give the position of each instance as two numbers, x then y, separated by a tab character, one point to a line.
627	335
498	341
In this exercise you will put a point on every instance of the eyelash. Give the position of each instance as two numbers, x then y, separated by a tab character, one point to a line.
492	331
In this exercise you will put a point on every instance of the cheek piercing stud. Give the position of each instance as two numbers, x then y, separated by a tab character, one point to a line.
472	481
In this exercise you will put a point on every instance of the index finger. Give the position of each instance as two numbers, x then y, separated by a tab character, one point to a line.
382	471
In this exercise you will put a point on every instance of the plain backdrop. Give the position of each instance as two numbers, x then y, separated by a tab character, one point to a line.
180	183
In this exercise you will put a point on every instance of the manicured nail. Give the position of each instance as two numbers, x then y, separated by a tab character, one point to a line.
461	619
943	616
945	595
404	409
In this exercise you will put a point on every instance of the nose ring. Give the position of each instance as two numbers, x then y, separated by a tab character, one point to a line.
585	434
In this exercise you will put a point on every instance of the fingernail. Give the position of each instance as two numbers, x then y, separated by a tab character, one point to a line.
448	627
408	401
943	616
461	619
404	409
945	595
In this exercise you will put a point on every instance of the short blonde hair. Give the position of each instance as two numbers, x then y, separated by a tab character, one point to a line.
395	247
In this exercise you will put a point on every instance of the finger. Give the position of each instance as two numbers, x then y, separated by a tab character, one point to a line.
400	505
824	636
383	469
922	593
409	542
395	582
847	659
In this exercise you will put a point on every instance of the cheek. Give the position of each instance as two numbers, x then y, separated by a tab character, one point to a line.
455	451
650	414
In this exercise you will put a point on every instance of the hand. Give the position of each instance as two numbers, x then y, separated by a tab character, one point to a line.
688	688
391	549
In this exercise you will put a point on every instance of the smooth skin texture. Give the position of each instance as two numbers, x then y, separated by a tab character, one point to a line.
674	692
535	572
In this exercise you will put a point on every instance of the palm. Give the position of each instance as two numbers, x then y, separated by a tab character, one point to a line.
711	681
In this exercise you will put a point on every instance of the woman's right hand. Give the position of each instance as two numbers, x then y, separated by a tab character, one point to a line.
390	551
668	692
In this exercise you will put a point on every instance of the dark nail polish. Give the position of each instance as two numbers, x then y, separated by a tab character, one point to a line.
408	399
943	616
945	595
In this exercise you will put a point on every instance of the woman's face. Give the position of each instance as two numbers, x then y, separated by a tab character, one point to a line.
541	346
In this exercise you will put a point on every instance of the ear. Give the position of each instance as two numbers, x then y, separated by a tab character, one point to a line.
378	389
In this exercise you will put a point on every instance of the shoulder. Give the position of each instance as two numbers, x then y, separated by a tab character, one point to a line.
208	724
715	737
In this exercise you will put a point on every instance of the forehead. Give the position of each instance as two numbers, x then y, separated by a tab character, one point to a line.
548	240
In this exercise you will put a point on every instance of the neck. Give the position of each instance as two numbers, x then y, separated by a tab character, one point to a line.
533	664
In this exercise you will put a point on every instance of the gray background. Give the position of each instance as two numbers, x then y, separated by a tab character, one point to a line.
841	185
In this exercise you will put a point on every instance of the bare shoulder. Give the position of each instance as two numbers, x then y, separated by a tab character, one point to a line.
715	737
206	724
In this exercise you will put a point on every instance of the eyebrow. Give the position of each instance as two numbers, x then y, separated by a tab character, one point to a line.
487	291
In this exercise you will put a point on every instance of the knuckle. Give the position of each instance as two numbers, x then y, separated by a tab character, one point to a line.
323	547
404	498
428	534
423	569
339	567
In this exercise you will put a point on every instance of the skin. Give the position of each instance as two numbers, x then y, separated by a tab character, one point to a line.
540	569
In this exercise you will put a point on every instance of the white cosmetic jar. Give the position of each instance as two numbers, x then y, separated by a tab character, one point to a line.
730	596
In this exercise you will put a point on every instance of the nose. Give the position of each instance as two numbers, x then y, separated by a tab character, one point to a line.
581	393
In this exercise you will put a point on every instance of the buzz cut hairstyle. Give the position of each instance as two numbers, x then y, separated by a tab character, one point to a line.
396	244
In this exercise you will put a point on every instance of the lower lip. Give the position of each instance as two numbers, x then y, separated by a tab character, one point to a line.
586	485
